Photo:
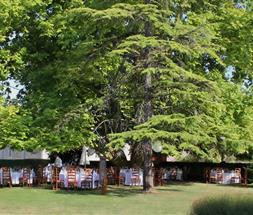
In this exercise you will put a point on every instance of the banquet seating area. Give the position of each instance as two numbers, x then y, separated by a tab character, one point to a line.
125	176
77	177
134	176
224	176
68	177
71	177
65	177
15	176
173	174
131	176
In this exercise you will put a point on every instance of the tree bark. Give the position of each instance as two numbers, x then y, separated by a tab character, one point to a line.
148	176
148	112
147	147
103	175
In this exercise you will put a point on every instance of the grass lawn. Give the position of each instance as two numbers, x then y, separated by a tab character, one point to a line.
170	199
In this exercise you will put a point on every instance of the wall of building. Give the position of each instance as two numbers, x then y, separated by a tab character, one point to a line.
9	154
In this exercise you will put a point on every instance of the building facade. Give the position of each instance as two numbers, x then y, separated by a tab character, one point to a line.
10	154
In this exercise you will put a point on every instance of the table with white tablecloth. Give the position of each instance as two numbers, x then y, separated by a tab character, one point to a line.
47	172
80	176
17	174
95	179
128	175
173	174
179	176
227	177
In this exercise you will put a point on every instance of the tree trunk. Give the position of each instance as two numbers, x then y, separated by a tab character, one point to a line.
147	147
148	112
103	175
148	177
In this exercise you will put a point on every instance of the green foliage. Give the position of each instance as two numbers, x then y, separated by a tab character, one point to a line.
235	27
177	133
84	64
15	128
71	131
200	136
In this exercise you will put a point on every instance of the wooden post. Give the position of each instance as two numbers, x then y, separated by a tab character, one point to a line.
246	177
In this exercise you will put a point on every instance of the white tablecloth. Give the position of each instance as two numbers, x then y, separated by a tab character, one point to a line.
226	176
179	176
15	176
95	179
173	174
47	172
128	174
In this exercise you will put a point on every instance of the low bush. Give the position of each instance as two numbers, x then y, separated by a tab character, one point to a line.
223	205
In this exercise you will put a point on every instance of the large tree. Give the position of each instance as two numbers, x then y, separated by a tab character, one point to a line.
147	69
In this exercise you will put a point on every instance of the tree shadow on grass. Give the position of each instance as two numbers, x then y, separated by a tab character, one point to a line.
233	185
112	191
125	191
170	187
169	190
180	183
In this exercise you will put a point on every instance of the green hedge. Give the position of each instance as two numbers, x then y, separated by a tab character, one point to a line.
236	204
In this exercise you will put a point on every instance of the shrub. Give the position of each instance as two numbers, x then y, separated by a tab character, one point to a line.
223	205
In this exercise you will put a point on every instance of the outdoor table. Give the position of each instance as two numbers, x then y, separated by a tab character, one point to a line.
173	174
47	172
179	176
15	176
226	177
95	179
127	173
